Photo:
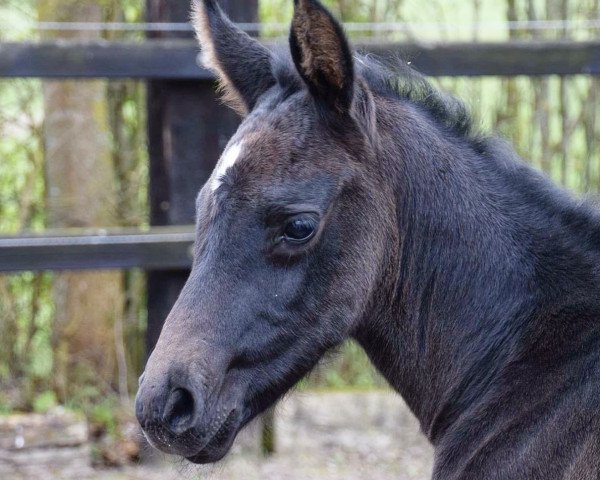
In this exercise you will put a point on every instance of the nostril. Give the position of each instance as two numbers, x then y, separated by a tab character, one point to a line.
179	411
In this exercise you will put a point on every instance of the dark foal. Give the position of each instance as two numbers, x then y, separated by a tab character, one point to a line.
355	201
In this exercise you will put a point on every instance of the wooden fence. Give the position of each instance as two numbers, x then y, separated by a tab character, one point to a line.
172	59
182	105
157	249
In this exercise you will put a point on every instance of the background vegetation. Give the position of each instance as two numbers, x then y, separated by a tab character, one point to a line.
46	356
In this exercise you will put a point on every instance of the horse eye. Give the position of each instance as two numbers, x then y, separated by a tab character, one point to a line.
300	229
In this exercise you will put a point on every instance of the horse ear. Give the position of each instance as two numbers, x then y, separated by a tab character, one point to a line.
241	63
322	55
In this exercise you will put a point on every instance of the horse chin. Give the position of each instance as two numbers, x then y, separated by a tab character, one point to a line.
216	448
220	444
212	453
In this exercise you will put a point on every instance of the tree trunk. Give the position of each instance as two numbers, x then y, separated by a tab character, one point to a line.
509	111
541	88
564	106
591	121
80	194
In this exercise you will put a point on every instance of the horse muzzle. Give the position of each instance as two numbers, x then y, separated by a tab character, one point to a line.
177	420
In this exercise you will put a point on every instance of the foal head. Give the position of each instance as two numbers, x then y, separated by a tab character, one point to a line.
290	242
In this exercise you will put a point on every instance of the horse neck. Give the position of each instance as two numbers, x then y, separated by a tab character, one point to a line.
465	290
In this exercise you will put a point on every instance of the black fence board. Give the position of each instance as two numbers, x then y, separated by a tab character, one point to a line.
160	248
154	59
176	59
530	58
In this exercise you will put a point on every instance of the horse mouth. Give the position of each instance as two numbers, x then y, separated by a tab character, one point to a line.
220	442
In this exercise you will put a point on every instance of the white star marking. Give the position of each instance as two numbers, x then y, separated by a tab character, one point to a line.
227	161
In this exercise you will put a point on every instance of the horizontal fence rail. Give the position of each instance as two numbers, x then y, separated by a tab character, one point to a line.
160	248
178	59
283	28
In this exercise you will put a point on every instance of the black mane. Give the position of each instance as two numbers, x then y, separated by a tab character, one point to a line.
393	80
399	80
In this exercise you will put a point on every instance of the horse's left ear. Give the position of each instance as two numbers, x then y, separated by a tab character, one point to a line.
322	55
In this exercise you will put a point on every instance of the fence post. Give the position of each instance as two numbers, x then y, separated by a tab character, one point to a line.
187	130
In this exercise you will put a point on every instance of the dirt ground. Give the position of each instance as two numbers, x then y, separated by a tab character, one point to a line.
331	436
337	466
319	436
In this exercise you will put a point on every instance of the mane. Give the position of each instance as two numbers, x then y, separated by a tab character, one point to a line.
399	80
396	80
